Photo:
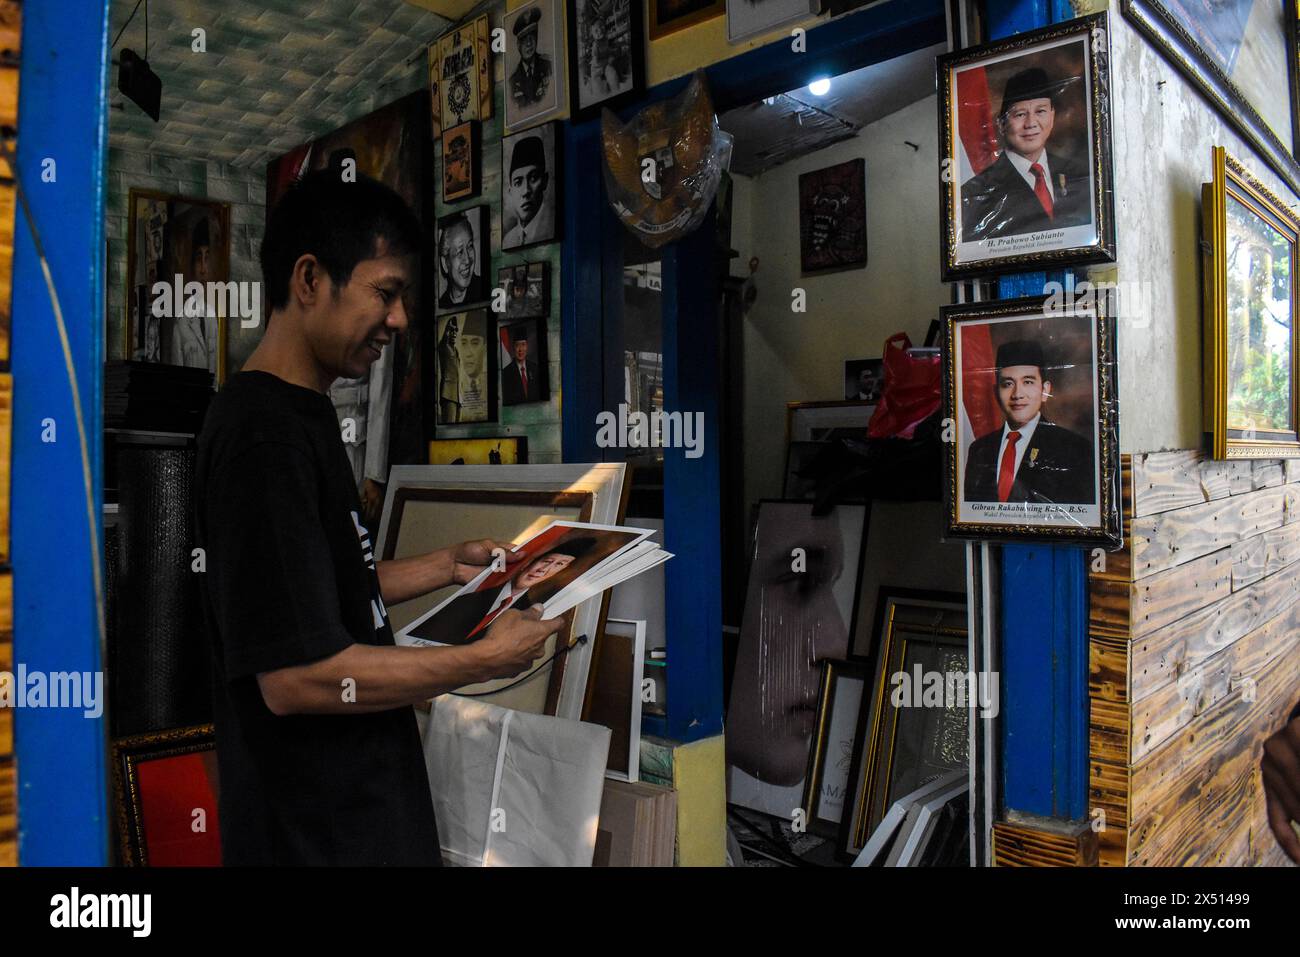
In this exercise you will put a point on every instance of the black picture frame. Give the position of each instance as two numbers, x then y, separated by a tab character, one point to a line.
479	290
539	384
1043	494
1154	20
995	214
535	276
579	44
552	202
467	138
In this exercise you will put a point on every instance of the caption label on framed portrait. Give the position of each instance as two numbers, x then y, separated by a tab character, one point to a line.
1030	391
1026	175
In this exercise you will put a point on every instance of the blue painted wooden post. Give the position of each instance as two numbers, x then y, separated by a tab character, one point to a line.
1044	604
62	112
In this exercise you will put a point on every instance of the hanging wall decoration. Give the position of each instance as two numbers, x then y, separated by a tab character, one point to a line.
833	217
662	168
460	75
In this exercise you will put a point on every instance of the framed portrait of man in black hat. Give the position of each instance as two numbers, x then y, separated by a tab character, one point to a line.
1029	387
530	182
1026	169
534	68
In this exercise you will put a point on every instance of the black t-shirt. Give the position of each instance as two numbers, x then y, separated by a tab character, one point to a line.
291	579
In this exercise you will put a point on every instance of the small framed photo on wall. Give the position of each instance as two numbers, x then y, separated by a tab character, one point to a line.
1025	154
463	371
833	217
461	162
460	75
1031	388
534	67
525	373
530	181
669	16
463	259
606	54
527	290
1252	237
863	379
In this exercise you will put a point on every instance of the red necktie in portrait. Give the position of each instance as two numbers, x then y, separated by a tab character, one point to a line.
1007	473
523	376
1041	191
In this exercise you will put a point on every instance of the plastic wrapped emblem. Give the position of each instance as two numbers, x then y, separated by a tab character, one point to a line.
662	168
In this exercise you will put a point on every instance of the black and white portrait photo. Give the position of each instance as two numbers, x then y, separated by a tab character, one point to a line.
605	53
529	184
462	255
1027	174
528	289
534	67
863	379
464	369
1031	394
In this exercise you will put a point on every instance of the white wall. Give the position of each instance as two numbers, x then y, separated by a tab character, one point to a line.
796	357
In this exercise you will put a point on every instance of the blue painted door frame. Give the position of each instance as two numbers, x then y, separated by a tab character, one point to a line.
591	277
62	114
1044	603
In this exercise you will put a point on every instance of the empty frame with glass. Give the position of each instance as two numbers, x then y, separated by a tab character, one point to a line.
1251	301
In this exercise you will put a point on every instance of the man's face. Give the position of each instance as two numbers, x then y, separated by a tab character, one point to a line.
866	381
1021	391
458	256
528	45
1028	125
540	569
348	326
521	350
473	355
202	263
527	190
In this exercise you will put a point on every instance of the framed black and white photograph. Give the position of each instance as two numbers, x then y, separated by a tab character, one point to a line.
462	256
534	68
863	379
464	373
530	182
606	54
1031	389
749	18
1025	157
527	289
525	372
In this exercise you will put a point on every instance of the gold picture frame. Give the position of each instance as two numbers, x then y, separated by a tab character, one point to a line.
1240	377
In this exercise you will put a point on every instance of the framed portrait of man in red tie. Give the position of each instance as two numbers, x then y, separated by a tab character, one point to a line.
1030	391
1025	168
524	368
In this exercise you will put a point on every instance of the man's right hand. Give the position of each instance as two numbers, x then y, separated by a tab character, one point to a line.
515	640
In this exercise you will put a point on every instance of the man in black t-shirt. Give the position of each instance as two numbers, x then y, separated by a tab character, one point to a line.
319	757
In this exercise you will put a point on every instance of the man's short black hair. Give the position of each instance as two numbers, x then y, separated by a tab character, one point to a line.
340	223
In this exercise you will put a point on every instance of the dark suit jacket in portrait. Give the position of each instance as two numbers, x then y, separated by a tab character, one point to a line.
512	386
1000	202
1057	467
452	625
528	86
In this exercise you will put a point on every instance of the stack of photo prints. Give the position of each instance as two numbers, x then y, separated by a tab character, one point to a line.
563	565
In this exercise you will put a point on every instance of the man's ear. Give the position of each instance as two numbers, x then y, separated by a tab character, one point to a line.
1047	388
305	280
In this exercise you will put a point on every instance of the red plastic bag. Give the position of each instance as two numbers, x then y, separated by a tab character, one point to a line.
913	390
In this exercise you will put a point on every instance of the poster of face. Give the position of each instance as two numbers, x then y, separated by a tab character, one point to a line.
833	217
798	613
460	162
1031	390
528	289
463	259
553	559
530	179
460	75
174	239
606	54
747	18
863	379
390	145
1026	175
525	373
534	67
466	381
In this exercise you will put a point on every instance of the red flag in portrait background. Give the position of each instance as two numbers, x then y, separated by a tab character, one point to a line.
975	129
978	395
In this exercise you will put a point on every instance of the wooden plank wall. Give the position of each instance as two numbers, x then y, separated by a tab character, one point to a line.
10	32
1195	658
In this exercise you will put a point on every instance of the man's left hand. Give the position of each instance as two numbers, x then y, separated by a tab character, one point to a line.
470	558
